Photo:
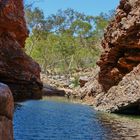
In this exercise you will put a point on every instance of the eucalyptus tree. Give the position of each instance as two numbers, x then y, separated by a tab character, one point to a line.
65	40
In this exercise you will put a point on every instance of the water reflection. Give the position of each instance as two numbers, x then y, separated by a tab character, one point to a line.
119	127
61	99
59	119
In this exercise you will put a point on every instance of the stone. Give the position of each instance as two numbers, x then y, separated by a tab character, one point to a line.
17	70
83	80
6	129
52	91
6	113
6	101
91	88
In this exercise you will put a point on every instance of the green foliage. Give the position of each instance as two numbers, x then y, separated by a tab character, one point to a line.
34	17
75	82
66	40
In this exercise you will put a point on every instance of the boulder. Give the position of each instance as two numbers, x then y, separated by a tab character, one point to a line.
6	113
83	80
52	91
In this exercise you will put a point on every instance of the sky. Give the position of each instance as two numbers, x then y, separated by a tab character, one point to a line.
89	7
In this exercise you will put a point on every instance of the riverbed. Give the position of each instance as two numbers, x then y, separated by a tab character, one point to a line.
60	119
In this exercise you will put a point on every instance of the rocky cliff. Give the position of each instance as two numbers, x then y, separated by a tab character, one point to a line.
125	97
6	113
121	44
119	73
17	70
116	86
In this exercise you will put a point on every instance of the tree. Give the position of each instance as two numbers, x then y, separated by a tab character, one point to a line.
28	4
66	40
34	17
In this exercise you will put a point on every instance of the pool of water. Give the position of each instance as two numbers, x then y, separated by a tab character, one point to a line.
51	119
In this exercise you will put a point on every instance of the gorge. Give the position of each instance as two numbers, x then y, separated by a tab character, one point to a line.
115	88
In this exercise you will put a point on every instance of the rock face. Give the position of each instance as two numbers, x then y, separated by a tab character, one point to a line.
6	113
119	73
125	97
121	43
117	86
17	70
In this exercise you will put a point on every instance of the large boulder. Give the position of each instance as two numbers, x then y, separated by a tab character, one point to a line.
52	91
6	113
17	70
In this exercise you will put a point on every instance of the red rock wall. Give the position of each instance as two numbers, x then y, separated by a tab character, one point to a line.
12	20
121	44
123	98
17	70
